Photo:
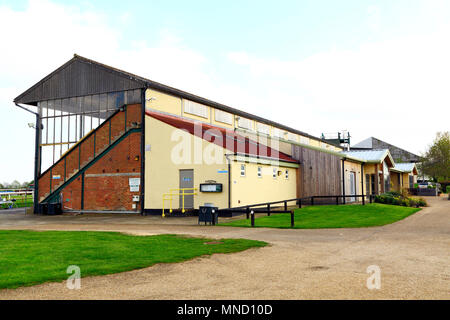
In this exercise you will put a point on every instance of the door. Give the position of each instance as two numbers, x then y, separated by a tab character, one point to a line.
352	185
187	181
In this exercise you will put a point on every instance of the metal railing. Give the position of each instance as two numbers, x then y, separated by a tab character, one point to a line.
177	192
82	158
269	207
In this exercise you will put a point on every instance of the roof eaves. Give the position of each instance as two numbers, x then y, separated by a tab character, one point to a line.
167	89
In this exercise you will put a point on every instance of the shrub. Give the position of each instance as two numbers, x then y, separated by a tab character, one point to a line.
405	202
394	193
396	198
447	189
422	202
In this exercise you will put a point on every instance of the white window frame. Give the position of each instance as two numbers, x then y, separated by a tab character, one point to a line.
259	171
194	108
243	169
304	140
263	128
222	116
291	136
245	123
277	133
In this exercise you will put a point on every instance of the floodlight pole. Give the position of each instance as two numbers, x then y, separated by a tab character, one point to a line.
38	128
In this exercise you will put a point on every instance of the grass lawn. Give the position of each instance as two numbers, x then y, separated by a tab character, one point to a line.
30	257
342	216
21	201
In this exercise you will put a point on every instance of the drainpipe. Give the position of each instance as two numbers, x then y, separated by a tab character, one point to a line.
38	128
362	183
229	180
142	187
343	180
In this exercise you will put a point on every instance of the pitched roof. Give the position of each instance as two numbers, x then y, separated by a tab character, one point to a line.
227	139
365	144
82	76
406	167
371	156
397	153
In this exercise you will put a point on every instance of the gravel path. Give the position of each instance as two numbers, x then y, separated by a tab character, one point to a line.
413	255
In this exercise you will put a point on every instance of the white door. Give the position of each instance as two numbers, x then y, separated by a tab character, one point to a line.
352	185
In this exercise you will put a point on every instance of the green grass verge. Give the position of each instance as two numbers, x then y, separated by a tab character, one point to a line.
21	201
30	257
342	216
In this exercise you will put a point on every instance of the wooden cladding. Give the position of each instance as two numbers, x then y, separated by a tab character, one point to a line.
319	173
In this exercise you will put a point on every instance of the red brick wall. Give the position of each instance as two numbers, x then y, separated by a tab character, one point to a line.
109	188
44	185
71	195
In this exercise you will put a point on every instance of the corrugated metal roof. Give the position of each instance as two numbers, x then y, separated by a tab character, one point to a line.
103	78
375	156
405	167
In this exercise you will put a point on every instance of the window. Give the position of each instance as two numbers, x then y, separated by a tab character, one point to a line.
277	133
242	170
245	123
291	137
367	183
304	140
263	128
195	108
274	174
222	116
259	172
286	174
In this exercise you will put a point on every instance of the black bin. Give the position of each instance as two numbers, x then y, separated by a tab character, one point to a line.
54	209
206	215
43	208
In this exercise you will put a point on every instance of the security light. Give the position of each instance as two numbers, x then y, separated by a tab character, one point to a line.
31	125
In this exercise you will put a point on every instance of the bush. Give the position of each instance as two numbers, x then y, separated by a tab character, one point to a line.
397	199
394	193
421	202
447	189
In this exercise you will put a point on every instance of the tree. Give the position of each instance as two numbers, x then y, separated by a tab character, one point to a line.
436	162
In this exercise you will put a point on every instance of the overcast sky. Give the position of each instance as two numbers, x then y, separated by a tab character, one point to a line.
374	68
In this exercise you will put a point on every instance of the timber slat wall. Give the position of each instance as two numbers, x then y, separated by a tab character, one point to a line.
319	173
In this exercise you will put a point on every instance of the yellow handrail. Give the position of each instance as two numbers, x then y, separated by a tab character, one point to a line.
179	192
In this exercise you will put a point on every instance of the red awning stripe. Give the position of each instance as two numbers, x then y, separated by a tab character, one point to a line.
227	139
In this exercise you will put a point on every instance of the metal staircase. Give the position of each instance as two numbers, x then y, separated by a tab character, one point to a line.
115	136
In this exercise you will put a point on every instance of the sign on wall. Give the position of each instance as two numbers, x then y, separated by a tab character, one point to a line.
134	184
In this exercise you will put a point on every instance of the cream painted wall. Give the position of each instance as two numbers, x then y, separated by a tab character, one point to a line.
356	168
162	102
395	186
251	189
162	174
174	105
